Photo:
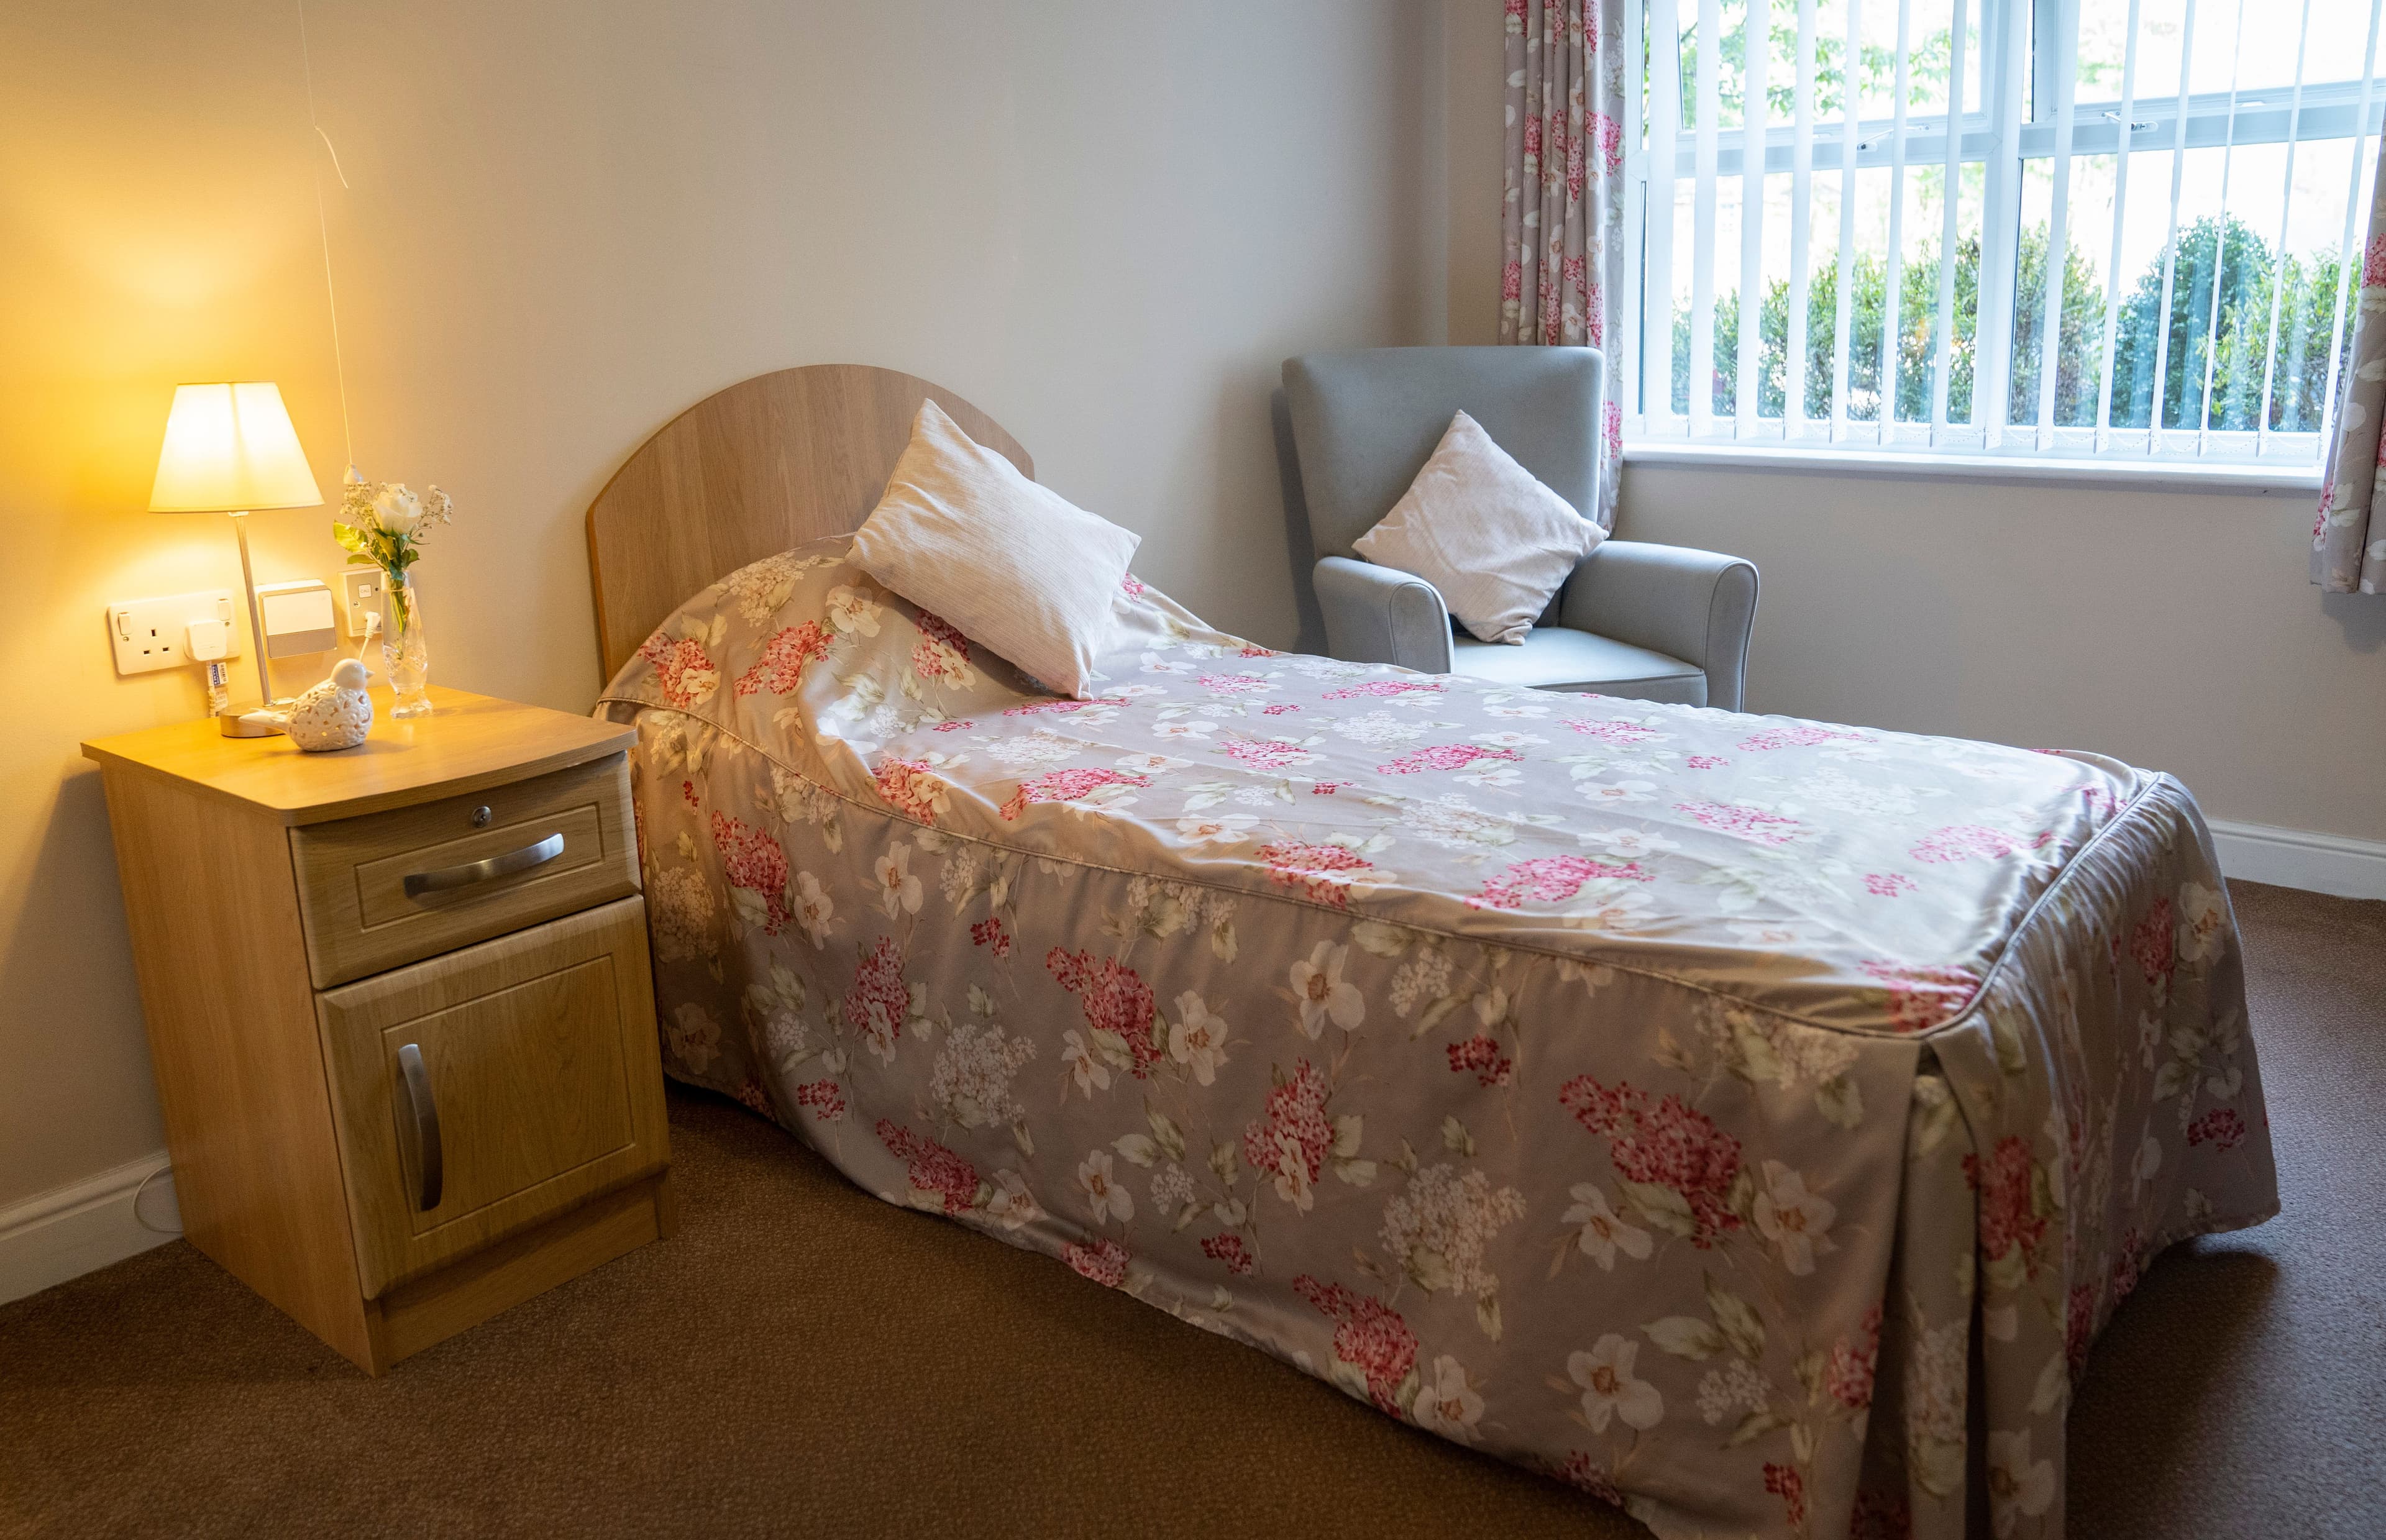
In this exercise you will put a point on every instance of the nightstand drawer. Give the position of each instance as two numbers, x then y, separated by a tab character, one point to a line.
390	888
480	1094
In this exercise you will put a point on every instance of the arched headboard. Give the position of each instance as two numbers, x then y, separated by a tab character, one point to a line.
765	465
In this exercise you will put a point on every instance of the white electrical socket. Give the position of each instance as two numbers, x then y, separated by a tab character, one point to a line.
154	633
360	596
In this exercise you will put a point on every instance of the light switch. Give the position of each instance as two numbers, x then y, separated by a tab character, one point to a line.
360	595
298	617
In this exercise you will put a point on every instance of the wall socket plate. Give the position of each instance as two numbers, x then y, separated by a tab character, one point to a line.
360	596
155	634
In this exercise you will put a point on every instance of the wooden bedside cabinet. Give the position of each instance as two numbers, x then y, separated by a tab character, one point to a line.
400	1009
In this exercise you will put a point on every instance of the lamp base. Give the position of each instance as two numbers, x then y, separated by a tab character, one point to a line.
252	723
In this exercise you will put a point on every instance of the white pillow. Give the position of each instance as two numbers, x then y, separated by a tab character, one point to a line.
1496	543
1011	565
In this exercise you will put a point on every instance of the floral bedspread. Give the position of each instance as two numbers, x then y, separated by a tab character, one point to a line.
1640	1092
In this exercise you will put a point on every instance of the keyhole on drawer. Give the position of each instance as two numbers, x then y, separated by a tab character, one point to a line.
480	818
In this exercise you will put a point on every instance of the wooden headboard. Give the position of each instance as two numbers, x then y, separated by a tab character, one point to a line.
763	465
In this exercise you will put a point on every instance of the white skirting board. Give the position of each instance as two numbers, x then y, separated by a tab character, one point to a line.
2294	858
83	1227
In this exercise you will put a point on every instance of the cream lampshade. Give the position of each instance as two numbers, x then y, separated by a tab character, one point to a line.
230	448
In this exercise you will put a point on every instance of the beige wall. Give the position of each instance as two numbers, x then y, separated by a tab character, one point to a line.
1105	224
2176	632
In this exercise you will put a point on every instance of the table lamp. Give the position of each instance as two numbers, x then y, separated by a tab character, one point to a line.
230	448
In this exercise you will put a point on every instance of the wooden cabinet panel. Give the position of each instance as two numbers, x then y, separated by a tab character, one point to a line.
352	874
537	1056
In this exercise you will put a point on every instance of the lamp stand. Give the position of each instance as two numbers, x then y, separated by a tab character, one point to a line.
264	722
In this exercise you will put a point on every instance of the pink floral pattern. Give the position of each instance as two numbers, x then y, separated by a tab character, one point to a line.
781	667
1551	879
1369	1335
1115	999
1666	1144
909	787
752	860
1593	1110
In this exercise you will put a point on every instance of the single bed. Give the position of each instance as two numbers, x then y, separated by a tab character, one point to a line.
1748	1120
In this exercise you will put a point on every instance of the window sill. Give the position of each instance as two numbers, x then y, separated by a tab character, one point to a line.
2238	479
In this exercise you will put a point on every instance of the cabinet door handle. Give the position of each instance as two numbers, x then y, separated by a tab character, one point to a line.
449	877
426	1123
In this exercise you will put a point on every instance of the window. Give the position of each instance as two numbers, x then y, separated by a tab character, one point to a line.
1846	209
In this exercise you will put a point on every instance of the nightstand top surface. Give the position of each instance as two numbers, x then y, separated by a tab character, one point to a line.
469	742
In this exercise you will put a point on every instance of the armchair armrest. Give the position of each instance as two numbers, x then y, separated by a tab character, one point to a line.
1697	605
1382	615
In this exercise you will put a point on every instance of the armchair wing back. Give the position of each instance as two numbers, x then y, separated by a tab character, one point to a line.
1366	421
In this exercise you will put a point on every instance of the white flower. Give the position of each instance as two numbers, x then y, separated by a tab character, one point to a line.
693	1034
1186	729
1171	1188
1627	842
1090	1073
850	611
1111	1199
1792	1218
680	913
1151	764
1441	1226
1011	1204
972	1081
813	908
1608	1388
1197	1038
2018	1486
1292	1172
396	509
1621	791
1317	982
2203	922
1446	1404
1225	828
1508	740
898	889
1603	1232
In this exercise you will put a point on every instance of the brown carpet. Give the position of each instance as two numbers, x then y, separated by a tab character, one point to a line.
803	1360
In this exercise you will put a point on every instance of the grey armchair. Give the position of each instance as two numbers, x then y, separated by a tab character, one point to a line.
1655	622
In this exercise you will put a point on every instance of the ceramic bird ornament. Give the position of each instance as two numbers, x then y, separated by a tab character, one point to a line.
334	714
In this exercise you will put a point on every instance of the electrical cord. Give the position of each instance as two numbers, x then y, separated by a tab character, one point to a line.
154	1229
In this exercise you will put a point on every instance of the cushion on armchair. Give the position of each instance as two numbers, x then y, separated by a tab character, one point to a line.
1480	528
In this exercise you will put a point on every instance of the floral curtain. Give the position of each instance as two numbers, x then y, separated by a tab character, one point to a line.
1563	223
2349	541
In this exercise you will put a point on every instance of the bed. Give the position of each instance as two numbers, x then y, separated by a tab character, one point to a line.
1750	1122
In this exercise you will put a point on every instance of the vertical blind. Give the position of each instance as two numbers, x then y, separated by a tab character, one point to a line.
2121	229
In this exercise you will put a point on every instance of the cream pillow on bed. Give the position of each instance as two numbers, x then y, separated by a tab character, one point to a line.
1495	541
1011	565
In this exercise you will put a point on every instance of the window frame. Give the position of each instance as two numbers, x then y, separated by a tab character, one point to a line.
2030	111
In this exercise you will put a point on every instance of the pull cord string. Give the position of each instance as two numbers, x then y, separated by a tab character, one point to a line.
323	227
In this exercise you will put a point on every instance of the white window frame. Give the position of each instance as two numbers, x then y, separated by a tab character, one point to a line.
2002	133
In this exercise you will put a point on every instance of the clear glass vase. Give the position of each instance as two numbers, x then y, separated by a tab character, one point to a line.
404	651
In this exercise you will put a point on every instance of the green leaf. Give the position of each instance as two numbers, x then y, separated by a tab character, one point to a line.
1659	1205
1684	1336
1741	1326
1165	1131
1755	1426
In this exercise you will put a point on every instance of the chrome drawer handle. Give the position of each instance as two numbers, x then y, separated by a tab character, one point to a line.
451	877
426	1124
